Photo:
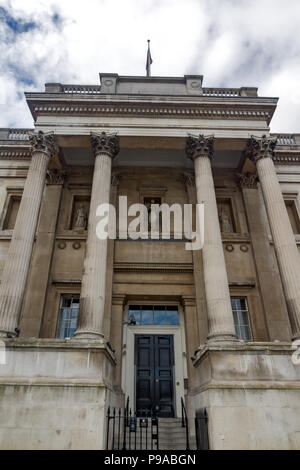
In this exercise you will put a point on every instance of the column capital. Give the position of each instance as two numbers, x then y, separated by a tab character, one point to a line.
55	176
105	143
45	143
247	181
199	146
261	147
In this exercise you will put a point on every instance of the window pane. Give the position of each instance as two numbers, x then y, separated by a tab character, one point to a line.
241	319
159	315
147	315
68	315
243	304
66	301
245	334
172	316
134	313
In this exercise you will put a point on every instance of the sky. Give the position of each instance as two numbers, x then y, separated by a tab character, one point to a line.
233	43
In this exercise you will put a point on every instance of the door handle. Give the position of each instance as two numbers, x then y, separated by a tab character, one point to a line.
156	380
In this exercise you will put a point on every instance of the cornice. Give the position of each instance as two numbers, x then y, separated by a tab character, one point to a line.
184	107
212	112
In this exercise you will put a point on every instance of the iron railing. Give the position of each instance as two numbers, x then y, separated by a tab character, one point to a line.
128	430
185	423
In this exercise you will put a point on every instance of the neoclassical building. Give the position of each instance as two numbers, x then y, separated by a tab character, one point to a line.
87	323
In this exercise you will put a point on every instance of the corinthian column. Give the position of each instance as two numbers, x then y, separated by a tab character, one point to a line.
261	150
92	297
219	312
19	254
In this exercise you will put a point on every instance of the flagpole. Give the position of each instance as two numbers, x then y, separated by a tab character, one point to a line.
149	60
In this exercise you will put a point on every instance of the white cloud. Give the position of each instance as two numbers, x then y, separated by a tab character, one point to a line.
230	42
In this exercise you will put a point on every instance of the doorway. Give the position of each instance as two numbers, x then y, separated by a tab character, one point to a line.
150	319
154	374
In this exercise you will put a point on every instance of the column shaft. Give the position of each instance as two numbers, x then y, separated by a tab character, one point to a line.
92	298
220	318
19	254
198	270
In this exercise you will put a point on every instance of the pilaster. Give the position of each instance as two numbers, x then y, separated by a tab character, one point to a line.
36	289
276	315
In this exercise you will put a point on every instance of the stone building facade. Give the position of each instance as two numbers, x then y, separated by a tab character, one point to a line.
87	322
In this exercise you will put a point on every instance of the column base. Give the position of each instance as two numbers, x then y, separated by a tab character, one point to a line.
88	334
296	336
8	334
222	338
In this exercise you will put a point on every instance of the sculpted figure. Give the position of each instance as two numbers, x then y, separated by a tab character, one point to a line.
225	221
80	218
155	225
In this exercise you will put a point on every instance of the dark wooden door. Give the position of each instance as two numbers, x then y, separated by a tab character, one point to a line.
154	364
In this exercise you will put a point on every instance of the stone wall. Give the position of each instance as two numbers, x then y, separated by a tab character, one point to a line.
54	394
252	396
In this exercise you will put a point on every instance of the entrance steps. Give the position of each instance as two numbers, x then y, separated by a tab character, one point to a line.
172	436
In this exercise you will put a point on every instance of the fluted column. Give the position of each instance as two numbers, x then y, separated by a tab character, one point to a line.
219	312
92	297
261	150
19	254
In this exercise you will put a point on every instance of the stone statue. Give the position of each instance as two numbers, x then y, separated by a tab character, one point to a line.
225	220
80	218
148	205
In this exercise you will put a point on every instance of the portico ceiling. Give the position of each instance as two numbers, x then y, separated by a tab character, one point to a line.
141	157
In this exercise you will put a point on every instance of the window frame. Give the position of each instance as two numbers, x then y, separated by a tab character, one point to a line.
153	307
59	325
11	193
238	325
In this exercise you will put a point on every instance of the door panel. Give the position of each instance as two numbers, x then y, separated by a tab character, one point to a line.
154	361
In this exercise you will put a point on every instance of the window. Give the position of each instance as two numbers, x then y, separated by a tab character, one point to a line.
153	315
241	318
12	212
293	215
68	313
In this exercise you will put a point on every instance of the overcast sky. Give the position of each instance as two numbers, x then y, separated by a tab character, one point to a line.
232	43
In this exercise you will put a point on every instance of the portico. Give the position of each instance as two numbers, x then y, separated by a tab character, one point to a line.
91	321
